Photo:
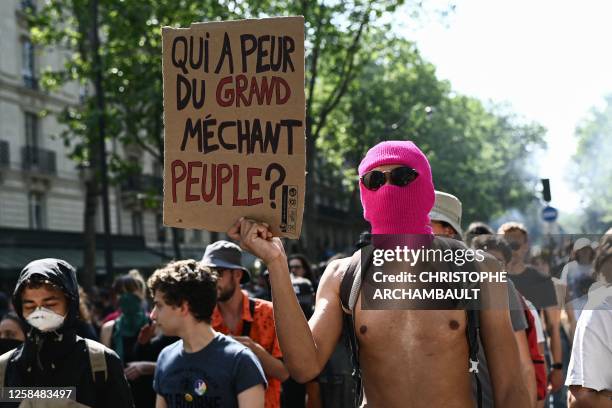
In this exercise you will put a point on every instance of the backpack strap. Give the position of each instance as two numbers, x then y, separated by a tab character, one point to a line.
350	286
473	325
97	359
351	282
4	360
246	325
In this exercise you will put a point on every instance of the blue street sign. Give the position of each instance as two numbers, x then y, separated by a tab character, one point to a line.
549	214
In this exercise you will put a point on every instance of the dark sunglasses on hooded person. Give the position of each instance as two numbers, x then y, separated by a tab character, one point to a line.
399	176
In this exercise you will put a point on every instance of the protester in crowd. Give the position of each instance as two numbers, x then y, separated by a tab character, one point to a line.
84	324
140	371
101	301
539	363
203	368
539	290
46	297
12	332
248	320
477	228
300	267
589	374
301	279
577	276
525	327
121	334
263	286
446	221
445	215
138	287
415	356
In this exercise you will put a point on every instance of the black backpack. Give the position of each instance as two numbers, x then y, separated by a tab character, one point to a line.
350	287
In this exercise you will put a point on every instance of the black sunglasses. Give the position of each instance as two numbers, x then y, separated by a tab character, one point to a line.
399	176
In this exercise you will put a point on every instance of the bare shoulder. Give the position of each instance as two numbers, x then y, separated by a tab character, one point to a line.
106	332
334	272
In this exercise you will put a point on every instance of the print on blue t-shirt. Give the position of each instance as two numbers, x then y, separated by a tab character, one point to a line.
212	377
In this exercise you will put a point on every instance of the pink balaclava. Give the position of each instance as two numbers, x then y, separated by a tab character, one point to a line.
393	209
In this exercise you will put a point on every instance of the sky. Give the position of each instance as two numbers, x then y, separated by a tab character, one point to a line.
550	60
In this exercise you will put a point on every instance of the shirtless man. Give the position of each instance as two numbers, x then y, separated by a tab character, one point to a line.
409	358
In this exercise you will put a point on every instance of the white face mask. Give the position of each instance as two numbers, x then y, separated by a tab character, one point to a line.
45	320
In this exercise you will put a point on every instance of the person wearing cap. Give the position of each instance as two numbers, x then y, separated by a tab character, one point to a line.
248	320
577	277
46	298
445	216
575	273
406	358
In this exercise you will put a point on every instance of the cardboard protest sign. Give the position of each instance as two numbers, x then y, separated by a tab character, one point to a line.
234	117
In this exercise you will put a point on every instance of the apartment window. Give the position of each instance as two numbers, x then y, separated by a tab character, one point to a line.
197	235
32	139
37	210
31	130
29	65
137	228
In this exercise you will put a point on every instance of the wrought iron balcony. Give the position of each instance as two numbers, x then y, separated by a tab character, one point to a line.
35	159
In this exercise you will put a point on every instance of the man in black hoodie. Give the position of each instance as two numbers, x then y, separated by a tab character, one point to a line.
47	299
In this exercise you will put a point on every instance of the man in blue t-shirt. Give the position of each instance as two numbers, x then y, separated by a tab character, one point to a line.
204	368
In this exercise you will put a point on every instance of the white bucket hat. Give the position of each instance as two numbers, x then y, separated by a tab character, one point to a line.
447	208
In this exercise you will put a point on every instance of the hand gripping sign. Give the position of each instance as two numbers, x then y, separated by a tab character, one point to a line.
234	115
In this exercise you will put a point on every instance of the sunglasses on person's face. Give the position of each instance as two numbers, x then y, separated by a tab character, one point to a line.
399	176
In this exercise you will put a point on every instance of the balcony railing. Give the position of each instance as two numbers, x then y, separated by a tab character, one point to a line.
38	160
4	154
142	183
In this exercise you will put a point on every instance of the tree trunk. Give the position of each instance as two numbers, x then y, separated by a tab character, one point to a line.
88	278
101	113
176	245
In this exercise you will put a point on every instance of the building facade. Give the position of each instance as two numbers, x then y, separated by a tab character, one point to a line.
41	188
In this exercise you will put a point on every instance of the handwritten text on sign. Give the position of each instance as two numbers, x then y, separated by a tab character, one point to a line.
234	124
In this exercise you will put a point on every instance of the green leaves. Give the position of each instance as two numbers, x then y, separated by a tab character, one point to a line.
363	85
478	153
592	172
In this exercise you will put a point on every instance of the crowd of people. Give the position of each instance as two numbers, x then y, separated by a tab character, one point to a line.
214	333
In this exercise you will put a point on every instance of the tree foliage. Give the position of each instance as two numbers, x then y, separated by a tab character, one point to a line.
362	85
592	173
479	153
